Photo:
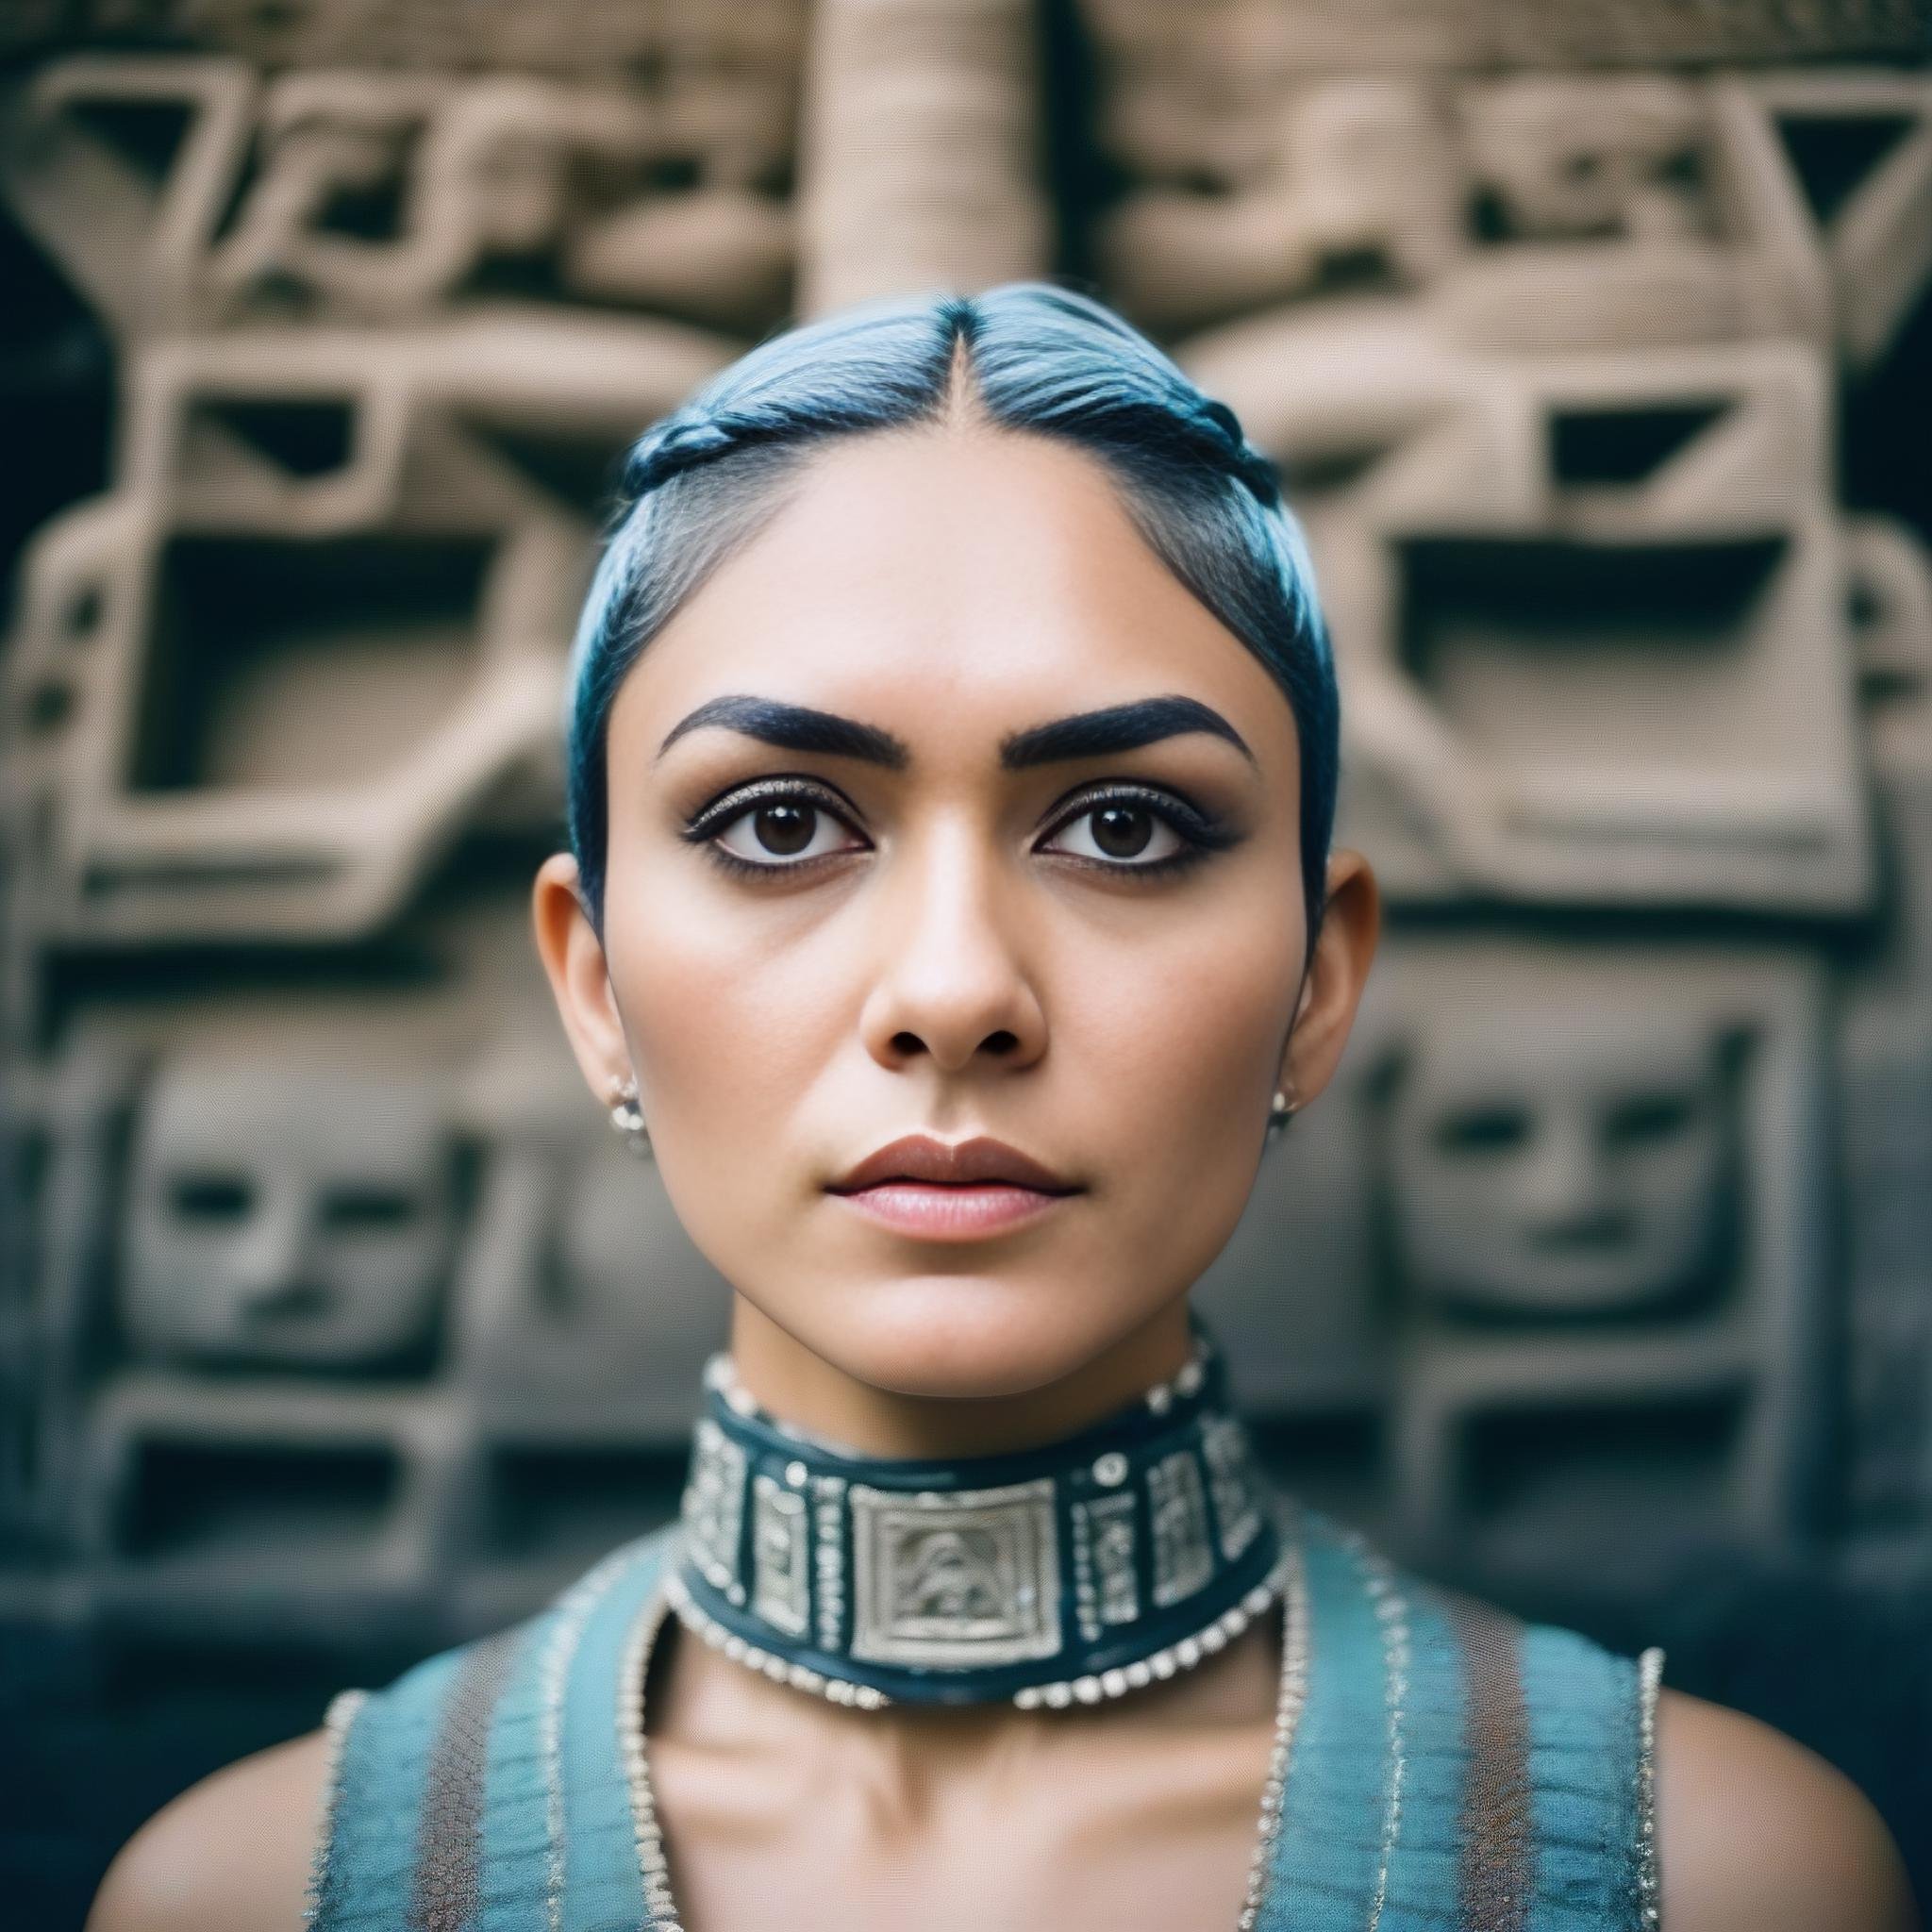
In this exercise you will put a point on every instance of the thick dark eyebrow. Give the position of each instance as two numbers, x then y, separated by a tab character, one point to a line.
795	727
1119	727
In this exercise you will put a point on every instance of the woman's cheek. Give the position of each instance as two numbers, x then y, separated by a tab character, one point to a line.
1179	1052
733	1014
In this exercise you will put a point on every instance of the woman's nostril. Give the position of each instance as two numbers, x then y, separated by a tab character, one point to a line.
1001	1041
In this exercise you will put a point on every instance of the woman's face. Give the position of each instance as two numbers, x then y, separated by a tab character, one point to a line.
943	809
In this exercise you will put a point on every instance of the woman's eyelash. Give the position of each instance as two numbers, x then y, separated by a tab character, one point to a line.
1201	835
705	826
711	818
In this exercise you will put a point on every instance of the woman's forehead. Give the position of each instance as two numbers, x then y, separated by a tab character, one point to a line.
964	578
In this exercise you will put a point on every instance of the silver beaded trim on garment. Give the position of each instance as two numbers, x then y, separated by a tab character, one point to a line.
652	1863
573	1614
1289	1579
1290	1698
1650	1669
1391	1613
336	1720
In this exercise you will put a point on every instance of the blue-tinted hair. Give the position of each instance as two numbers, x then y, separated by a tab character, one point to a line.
1032	358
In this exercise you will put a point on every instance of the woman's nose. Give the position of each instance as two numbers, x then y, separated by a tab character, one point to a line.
951	982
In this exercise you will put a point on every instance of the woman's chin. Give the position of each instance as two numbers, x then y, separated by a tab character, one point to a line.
961	1336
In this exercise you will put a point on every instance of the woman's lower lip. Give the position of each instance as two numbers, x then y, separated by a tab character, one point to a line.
940	1212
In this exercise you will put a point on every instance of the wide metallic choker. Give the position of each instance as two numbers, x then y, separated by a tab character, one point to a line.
1066	1574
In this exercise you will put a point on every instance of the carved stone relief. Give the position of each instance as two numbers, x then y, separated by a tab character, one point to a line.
1554	321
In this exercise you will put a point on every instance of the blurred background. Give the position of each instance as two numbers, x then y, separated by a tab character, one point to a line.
1596	348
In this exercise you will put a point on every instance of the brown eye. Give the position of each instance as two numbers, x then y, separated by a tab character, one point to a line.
781	831
1121	832
785	829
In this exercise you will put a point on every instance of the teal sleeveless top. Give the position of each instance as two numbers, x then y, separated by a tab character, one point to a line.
1452	1769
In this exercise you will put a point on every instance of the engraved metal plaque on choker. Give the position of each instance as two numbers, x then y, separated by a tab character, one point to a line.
1066	1574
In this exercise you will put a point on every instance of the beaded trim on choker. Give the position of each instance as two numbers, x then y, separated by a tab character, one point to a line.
1071	1573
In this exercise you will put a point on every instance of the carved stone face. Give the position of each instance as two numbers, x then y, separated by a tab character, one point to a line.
1549	1166
303	1225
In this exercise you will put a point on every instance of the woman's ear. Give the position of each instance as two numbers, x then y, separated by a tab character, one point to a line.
573	959
1332	985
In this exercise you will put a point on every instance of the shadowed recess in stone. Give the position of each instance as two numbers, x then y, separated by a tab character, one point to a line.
286	664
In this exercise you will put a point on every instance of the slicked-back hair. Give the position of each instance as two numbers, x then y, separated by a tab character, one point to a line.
1027	357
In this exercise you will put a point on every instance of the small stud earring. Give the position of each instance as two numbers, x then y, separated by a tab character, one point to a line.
627	1117
1279	1111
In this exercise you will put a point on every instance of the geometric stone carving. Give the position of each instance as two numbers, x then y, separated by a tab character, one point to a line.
289	688
1885	1064
1527	213
1574	156
1593	630
1859	149
376	195
1549	359
1354	181
382	196
336	1513
121	167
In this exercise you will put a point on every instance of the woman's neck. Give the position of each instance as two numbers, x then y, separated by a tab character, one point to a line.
702	1698
804	1389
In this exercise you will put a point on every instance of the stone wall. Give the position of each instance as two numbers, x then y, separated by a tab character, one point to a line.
1594	356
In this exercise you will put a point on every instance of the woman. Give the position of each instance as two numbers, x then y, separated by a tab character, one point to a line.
949	909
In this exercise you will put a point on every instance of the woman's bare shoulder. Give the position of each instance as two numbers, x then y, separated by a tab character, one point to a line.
1758	1833
231	1853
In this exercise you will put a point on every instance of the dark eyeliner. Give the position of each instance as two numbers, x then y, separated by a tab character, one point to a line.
1203	835
703	822
702	826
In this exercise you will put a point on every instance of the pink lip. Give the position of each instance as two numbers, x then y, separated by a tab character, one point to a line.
949	1214
951	1192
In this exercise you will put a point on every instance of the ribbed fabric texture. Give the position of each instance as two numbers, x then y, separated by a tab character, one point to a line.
521	1824
1453	1769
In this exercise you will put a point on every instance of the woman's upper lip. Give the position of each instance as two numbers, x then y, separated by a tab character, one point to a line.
956	1163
